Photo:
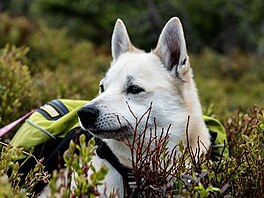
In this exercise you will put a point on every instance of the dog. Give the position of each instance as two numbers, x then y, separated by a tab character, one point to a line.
136	79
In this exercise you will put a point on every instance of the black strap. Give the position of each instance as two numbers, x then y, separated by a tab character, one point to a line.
213	136
52	152
104	152
214	152
59	106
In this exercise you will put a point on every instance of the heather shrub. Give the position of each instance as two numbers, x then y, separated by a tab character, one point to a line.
239	175
15	30
160	173
228	82
65	67
53	66
10	178
57	66
15	83
64	83
78	165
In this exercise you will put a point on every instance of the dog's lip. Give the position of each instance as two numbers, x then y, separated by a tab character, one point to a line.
111	133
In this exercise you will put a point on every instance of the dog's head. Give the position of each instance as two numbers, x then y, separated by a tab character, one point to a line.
136	80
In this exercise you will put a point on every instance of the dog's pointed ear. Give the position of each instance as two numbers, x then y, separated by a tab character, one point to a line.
120	40
171	49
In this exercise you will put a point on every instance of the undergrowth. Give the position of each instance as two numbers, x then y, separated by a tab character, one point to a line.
60	183
55	66
181	171
158	172
78	165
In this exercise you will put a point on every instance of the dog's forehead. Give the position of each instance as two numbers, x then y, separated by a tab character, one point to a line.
135	66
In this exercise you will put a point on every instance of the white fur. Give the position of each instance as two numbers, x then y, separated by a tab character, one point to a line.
166	76
174	96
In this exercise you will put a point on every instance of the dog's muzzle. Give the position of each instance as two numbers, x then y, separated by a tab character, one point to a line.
106	129
88	116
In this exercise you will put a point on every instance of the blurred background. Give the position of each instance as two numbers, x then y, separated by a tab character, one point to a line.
61	48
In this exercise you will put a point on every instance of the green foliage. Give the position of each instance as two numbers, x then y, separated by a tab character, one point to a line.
226	83
220	24
74	67
16	32
55	66
15	83
10	178
246	127
79	165
240	175
6	190
51	48
61	67
8	157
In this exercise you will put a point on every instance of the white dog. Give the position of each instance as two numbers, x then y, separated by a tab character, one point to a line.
136	79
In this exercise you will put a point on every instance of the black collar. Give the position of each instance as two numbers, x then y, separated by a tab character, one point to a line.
104	152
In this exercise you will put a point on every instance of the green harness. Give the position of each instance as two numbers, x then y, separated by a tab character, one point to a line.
218	138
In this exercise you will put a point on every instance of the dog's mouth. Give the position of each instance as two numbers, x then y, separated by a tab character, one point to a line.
118	134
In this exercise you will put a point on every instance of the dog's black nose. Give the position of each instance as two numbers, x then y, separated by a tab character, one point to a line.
88	115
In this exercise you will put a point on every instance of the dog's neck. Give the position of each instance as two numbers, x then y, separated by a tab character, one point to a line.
121	151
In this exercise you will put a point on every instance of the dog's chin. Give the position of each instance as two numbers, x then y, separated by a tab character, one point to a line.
116	134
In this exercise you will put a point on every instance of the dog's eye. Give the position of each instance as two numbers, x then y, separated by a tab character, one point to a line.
102	88
134	89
